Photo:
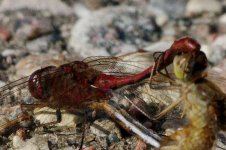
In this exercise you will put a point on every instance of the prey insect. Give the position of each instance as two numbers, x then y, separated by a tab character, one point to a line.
203	105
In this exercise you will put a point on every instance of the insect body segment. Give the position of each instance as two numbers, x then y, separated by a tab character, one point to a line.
200	106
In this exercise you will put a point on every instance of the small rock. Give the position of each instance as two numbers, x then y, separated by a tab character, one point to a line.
222	23
30	27
2	83
96	4
13	52
140	145
222	18
218	49
196	7
47	115
113	138
104	128
159	46
31	63
38	45
35	143
173	8
221	140
18	142
68	148
4	34
55	7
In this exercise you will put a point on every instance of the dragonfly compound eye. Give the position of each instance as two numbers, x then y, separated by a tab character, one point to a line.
40	81
198	64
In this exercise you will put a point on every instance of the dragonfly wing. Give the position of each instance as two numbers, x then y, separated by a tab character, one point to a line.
124	65
12	91
157	97
218	78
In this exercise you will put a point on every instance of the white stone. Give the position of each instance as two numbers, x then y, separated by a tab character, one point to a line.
55	7
47	115
29	64
37	142
218	49
222	19
18	142
195	7
159	46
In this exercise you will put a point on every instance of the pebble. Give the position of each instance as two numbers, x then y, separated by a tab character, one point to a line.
29	28
18	142
13	52
222	23
2	83
218	49
38	5
222	18
5	35
196	7
38	45
47	115
173	8
37	142
159	46
31	63
105	128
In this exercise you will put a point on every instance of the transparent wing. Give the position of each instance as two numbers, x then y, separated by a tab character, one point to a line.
217	77
123	65
157	96
10	91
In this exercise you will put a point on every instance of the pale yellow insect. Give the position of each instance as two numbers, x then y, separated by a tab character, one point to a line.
203	105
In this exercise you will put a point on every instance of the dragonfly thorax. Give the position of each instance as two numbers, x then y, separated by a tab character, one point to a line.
39	82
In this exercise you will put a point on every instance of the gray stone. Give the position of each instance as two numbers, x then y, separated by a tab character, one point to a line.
173	8
114	30
55	7
104	128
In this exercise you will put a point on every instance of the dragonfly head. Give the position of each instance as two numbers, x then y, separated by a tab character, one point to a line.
39	83
189	67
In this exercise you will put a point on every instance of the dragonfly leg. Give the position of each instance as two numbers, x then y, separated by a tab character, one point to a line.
83	130
158	65
169	108
128	123
157	61
31	106
173	105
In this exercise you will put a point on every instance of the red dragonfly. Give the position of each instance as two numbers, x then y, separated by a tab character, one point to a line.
81	83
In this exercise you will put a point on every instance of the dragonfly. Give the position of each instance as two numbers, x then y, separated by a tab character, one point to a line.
79	84
194	97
